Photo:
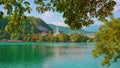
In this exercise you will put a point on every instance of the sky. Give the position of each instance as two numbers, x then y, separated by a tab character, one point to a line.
56	18
49	17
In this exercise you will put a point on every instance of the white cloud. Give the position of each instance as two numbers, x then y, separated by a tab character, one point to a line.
28	14
117	6
61	18
117	1
58	23
47	15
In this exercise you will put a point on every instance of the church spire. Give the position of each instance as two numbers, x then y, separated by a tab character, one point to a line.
57	30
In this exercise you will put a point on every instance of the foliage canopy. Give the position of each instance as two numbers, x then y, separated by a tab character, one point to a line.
77	13
109	41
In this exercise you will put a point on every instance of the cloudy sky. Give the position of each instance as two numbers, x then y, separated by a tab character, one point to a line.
49	16
56	18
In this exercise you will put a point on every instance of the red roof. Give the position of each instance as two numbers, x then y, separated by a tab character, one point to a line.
44	33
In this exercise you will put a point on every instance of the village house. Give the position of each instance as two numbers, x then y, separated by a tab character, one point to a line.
44	33
91	35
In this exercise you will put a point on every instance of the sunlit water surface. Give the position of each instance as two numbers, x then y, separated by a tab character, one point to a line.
49	55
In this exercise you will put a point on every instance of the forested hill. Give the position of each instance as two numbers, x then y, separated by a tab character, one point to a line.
36	25
68	30
32	24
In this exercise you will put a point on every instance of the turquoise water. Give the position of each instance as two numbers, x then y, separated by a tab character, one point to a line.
49	55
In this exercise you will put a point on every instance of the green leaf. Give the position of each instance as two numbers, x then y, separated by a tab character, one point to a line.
1	15
20	1
26	3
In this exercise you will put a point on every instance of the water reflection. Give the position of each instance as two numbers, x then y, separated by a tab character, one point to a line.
22	54
48	56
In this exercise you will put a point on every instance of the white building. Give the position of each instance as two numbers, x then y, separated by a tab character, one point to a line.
56	31
92	35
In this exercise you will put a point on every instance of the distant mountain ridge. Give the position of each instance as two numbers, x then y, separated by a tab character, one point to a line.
67	29
39	26
92	28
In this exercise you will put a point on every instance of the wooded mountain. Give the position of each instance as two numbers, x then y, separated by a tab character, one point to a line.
31	25
36	25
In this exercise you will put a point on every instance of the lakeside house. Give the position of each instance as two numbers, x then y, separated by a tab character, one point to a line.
44	33
91	35
34	36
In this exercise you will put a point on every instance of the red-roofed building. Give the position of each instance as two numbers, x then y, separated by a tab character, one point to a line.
44	33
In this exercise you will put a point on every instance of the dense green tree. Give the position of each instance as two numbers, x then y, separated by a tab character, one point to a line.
41	38
1	34
49	36
63	37
109	41
32	30
84	38
29	38
4	35
54	39
13	36
75	37
4	22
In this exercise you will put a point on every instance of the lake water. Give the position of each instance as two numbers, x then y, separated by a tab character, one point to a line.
49	55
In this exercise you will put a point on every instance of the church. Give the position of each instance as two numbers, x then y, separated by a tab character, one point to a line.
56	31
